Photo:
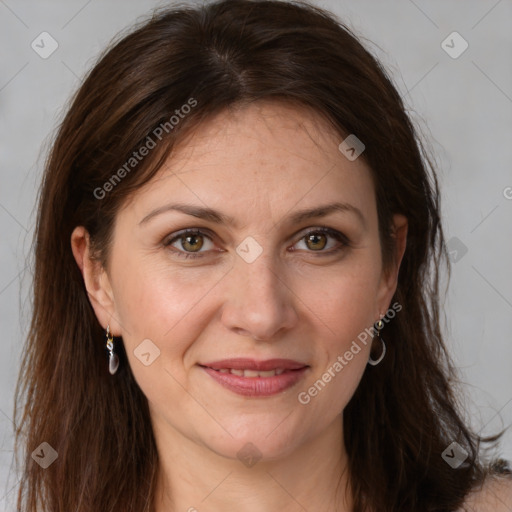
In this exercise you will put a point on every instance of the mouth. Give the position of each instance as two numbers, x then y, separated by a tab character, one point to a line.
249	377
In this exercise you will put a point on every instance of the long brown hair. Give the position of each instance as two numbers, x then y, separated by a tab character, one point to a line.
405	411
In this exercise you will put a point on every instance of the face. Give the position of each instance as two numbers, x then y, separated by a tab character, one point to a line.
257	279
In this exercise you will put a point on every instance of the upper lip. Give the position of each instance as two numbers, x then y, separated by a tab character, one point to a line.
252	364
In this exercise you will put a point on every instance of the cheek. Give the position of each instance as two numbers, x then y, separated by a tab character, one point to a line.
155	304
344	312
169	307
152	297
343	297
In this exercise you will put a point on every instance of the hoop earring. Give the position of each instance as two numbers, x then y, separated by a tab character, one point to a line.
373	362
113	360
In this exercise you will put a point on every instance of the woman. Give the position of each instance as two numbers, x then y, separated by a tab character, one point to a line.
235	206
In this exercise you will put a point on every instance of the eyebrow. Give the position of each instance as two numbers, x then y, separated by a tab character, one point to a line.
217	217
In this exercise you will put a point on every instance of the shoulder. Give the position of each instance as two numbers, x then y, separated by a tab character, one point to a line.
494	495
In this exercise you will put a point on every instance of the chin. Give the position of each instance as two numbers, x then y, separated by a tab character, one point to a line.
257	440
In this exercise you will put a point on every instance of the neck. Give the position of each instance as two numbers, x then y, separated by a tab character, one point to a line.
193	478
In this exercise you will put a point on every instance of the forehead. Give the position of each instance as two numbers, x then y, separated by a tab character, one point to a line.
268	157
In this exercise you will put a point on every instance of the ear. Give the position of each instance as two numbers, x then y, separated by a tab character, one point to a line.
97	282
389	277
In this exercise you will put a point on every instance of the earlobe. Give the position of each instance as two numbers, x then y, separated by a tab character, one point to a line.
96	280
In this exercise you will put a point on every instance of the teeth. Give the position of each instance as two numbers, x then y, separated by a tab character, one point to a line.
252	373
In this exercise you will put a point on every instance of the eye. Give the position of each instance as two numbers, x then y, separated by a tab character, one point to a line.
189	242
316	240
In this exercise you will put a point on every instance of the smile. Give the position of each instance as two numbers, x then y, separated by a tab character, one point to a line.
251	378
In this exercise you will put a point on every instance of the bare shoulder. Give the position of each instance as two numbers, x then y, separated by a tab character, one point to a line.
495	495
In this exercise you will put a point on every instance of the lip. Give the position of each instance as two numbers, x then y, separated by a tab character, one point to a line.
256	386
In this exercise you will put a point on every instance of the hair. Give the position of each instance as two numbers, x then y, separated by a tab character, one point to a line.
225	55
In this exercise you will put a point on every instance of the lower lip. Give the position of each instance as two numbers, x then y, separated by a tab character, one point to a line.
257	386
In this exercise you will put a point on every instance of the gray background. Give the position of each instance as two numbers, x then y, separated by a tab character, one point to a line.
463	105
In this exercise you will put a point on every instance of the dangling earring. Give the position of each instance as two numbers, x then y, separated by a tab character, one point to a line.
113	360
379	325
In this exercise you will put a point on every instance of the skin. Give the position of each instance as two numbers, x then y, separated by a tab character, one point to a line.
259	165
494	496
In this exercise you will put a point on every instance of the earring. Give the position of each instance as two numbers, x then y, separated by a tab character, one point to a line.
113	360
373	362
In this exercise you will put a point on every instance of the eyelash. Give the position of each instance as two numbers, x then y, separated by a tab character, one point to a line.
340	237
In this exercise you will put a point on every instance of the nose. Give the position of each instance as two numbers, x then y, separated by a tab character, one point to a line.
259	302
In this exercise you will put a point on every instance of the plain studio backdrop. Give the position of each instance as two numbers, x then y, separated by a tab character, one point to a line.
452	62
